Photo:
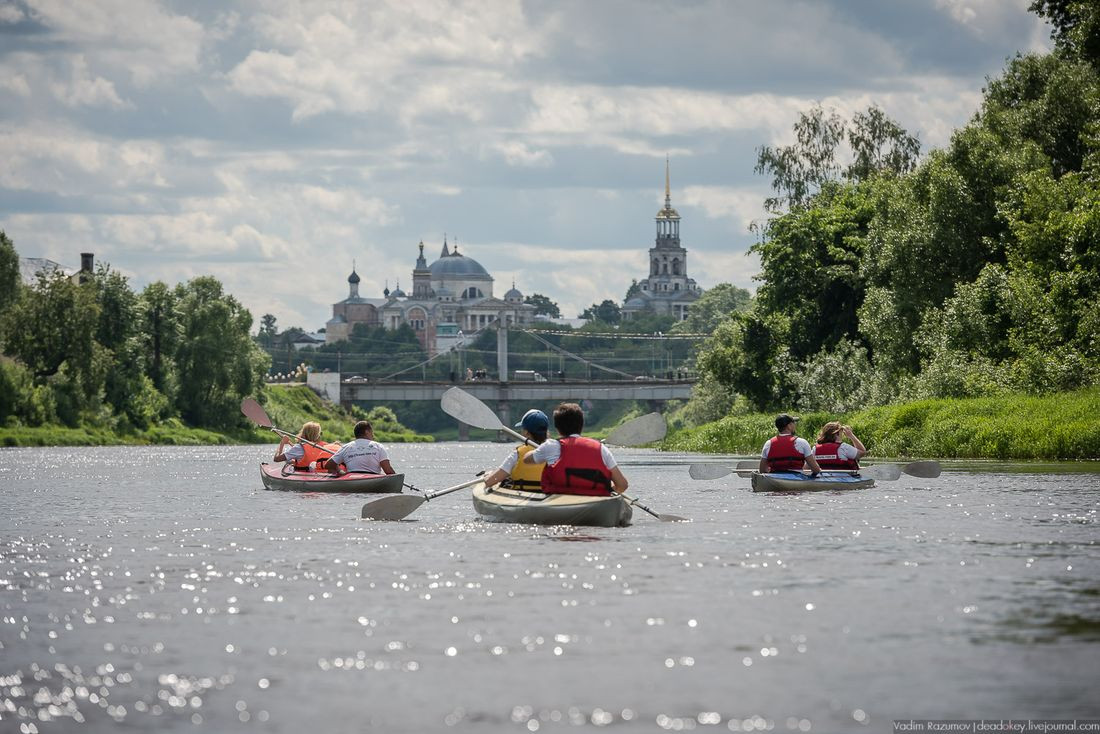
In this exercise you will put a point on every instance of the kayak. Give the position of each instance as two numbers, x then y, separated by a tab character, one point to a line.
796	481
283	476
538	508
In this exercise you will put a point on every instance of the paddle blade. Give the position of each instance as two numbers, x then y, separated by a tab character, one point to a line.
646	429
464	407
750	465
923	469
708	471
885	472
255	413
394	507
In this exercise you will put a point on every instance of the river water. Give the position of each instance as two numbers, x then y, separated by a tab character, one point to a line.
162	589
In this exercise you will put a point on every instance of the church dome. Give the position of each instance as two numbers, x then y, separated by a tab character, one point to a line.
459	267
353	278
634	304
398	293
513	295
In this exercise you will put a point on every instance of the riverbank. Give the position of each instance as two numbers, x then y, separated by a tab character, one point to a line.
289	406
1059	426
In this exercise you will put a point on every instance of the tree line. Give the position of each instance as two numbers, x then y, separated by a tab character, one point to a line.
89	350
972	271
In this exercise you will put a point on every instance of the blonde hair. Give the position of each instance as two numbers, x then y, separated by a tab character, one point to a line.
830	432
311	431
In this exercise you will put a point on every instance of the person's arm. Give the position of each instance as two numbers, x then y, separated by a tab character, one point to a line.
385	464
618	481
279	455
333	463
855	442
763	468
498	476
814	466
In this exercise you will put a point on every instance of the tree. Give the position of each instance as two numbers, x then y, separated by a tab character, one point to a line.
608	312
799	170
633	290
219	363
1075	26
9	272
713	307
877	145
268	330
543	305
160	334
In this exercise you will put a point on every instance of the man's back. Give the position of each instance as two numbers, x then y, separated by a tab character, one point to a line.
363	455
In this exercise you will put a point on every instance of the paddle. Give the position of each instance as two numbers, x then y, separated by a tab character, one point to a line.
463	406
256	413
885	472
400	506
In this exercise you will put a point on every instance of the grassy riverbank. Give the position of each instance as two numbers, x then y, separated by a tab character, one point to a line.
1059	426
288	406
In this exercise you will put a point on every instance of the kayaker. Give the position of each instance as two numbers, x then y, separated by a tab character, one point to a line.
575	464
786	451
364	454
302	454
832	453
527	477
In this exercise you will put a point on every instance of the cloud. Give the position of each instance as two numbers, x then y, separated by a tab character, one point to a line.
744	205
135	37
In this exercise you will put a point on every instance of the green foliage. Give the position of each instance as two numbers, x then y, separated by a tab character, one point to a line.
543	305
715	305
1075	26
218	362
608	312
973	274
9	274
1061	426
289	406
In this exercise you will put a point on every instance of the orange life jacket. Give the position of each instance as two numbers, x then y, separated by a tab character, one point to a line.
312	454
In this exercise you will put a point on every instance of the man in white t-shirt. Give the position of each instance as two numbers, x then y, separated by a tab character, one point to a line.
581	472
364	454
786	451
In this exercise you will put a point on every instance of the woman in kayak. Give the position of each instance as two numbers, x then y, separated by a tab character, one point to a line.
576	464
832	452
302	454
527	477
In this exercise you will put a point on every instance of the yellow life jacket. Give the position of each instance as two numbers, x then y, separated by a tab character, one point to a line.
527	477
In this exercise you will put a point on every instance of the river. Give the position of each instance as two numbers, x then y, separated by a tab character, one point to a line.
162	589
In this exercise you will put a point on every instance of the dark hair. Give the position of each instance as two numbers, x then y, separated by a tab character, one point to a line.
362	428
538	436
568	419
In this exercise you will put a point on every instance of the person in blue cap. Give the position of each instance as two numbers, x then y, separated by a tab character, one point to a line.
518	473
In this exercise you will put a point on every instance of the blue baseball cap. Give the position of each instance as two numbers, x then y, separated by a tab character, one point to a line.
534	421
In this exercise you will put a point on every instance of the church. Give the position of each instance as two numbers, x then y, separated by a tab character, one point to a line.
451	299
668	290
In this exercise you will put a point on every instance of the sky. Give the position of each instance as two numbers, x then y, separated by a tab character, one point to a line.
272	144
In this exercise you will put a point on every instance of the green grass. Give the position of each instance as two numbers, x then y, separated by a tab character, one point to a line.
287	406
1059	426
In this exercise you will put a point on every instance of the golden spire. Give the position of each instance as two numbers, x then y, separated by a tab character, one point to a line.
668	187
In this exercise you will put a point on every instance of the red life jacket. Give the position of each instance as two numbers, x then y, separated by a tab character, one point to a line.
828	457
782	455
580	469
312	454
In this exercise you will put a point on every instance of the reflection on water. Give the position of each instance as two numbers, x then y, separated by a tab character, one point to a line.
163	589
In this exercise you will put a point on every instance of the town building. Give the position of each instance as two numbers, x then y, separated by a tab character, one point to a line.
451	299
668	290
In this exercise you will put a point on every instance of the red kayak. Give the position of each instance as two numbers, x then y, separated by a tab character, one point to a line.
286	477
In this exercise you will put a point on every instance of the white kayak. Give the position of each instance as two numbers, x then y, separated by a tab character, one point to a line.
538	508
